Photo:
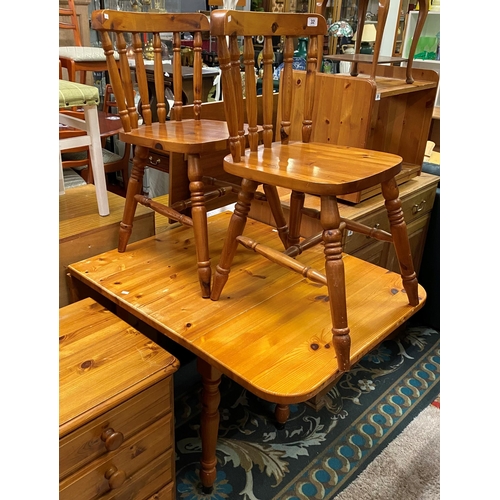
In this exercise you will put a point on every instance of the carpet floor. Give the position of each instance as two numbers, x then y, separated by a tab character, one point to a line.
321	454
409	468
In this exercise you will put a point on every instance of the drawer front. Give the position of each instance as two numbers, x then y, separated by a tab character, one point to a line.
111	476
418	204
354	241
166	493
86	443
376	253
414	206
158	161
148	483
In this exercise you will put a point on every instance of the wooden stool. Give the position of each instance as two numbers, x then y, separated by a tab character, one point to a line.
71	95
115	396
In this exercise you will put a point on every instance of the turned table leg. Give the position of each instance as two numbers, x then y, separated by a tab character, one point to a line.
281	413
209	423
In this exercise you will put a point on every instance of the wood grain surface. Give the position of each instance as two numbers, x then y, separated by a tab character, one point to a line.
271	329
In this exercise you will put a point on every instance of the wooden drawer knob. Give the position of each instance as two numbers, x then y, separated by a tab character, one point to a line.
112	440
115	477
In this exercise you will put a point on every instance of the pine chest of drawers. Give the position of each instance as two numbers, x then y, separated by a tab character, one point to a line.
116	429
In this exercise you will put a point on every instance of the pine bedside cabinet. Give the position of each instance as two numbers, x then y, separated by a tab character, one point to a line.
116	424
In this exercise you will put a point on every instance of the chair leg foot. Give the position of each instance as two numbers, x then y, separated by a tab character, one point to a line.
205	278
236	227
342	345
123	236
220	279
411	288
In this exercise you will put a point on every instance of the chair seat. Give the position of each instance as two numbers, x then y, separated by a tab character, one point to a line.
77	94
186	136
315	168
84	54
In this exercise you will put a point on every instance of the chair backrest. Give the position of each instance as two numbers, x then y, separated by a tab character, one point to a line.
138	27
72	23
228	26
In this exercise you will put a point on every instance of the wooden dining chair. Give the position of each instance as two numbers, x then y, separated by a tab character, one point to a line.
303	167
78	58
195	138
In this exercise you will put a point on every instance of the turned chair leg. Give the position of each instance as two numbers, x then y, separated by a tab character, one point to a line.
235	229
423	8
399	232
200	225
209	424
335	277
134	188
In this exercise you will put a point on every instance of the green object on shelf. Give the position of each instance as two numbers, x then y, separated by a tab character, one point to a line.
426	48
301	48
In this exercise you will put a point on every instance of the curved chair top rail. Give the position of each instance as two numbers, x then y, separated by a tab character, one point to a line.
139	22
245	23
130	31
228	26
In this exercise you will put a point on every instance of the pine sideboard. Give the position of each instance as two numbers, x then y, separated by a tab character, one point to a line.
116	424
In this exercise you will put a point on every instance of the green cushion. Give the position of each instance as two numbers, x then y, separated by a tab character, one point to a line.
77	94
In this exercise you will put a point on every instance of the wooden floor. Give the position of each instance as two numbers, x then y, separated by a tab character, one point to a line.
270	331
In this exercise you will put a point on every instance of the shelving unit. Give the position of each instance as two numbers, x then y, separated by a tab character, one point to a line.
383	114
376	58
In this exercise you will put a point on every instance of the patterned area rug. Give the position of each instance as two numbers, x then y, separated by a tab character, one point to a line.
318	453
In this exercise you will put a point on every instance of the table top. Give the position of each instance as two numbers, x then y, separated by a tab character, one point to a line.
109	125
364	58
271	329
187	71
